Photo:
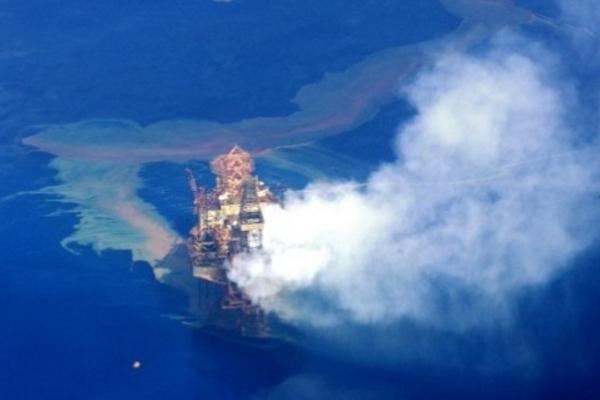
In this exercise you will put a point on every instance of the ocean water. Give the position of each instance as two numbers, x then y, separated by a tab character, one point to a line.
192	59
73	323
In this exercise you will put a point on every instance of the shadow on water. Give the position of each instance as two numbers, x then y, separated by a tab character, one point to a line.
245	366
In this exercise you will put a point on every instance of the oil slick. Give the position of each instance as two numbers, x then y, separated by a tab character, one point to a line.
98	161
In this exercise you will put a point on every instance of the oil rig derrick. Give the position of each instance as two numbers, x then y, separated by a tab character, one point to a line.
229	222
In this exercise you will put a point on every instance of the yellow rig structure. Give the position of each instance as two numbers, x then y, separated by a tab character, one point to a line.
230	221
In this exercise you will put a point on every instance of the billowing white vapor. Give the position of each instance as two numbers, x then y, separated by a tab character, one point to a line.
490	193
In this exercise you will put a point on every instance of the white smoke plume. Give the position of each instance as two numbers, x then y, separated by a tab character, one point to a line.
491	193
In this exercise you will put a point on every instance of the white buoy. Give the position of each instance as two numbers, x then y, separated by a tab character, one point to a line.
136	364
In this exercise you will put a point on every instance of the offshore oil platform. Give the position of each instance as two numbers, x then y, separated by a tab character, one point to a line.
229	222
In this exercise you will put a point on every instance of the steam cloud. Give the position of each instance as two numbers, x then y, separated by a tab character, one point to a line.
491	192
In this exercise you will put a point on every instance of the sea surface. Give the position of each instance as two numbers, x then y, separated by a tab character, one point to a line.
75	320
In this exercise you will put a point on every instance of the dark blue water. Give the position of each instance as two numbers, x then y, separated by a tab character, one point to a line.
148	61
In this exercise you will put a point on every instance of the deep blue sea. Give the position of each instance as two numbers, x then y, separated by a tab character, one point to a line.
72	324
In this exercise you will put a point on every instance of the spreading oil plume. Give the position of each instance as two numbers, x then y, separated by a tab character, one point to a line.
98	161
492	192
